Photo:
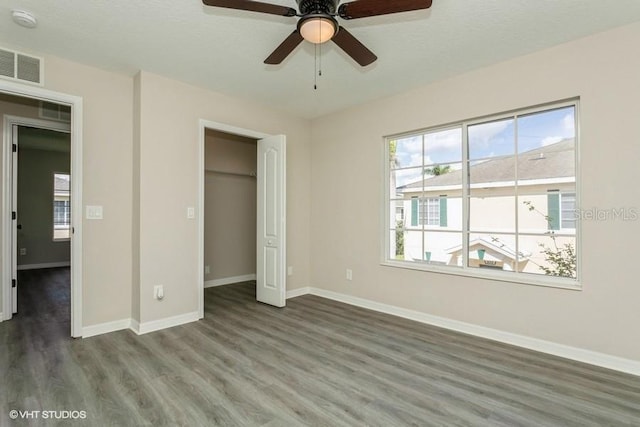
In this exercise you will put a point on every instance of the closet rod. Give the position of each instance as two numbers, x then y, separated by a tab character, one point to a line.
252	174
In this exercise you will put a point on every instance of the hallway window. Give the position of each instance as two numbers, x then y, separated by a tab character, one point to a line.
61	206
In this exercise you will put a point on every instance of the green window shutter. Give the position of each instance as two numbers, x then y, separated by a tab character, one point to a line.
553	211
443	211
414	211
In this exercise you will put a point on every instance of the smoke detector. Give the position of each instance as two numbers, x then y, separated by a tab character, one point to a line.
24	18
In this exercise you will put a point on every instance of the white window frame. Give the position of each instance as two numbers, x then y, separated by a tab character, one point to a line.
54	228
465	270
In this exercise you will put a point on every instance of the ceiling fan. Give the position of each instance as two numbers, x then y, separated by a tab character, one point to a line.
318	24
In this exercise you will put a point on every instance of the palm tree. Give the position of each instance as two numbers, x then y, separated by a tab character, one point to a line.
437	170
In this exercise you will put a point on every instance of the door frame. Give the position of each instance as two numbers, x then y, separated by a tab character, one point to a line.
203	125
75	102
11	186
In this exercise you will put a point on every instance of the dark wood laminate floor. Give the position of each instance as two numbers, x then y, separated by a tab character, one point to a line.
315	362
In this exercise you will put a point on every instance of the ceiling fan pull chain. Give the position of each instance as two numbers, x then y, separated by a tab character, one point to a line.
320	54
315	67
320	60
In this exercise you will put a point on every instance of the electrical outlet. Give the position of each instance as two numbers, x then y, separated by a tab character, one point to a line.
289	271
23	251
349	274
207	269
158	292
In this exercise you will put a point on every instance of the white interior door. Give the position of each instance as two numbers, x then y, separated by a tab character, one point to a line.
14	222
271	227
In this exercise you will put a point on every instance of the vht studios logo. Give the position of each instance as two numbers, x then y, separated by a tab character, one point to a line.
596	214
47	415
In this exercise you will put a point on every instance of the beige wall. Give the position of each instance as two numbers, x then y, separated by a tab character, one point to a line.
230	205
107	148
169	112
35	204
347	182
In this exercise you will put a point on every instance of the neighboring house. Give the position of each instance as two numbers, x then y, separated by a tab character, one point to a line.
61	206
499	238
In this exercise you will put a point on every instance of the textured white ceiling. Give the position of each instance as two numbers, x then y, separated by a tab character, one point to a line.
224	49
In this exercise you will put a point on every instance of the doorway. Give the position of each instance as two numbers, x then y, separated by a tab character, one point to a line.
230	208
41	252
270	207
16	102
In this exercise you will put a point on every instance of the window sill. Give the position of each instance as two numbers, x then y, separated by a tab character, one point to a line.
517	278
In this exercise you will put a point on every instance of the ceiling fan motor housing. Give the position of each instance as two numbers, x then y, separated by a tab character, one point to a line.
320	7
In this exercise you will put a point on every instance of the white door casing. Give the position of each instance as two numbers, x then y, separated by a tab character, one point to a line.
271	220
14	220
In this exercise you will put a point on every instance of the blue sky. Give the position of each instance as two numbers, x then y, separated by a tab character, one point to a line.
486	140
534	131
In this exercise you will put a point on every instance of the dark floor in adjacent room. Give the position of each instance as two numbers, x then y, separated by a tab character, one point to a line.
316	362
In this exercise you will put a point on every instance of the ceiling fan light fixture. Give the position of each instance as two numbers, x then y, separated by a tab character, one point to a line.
317	29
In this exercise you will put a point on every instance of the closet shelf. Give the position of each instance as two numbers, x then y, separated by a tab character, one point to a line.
219	172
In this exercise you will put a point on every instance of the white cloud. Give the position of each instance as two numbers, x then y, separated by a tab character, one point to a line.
416	159
482	134
446	139
569	124
410	145
408	176
409	151
550	140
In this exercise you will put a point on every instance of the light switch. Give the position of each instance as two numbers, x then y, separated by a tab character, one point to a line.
191	212
94	212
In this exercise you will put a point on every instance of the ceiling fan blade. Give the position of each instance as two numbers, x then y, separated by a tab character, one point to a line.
366	8
285	48
353	47
253	6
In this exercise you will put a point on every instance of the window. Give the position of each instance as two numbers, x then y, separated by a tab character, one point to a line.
429	211
568	210
490	197
61	206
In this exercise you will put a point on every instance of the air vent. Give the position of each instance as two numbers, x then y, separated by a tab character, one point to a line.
20	67
57	112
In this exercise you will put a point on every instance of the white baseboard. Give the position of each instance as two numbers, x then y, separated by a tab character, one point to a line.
298	292
135	326
581	355
44	265
229	280
168	322
104	328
